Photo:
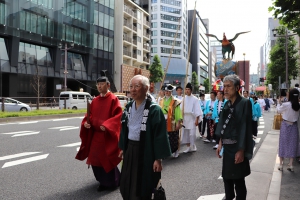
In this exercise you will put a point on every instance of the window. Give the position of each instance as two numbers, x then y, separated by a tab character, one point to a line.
170	42
139	39
138	14
154	25
139	26
74	96
170	10
168	51
154	8
170	34
154	16
169	26
169	18
154	41
80	96
171	2
3	13
75	10
154	33
139	52
154	50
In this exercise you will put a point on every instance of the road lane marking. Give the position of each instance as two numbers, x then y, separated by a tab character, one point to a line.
61	127
257	140
78	148
261	127
65	129
260	132
24	134
17	155
25	160
31	122
55	120
220	177
212	197
71	145
261	123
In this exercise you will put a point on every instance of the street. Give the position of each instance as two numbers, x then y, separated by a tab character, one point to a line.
37	161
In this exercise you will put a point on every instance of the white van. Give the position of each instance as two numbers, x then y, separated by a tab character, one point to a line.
74	100
123	100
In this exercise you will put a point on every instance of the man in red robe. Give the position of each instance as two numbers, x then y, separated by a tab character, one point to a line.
100	137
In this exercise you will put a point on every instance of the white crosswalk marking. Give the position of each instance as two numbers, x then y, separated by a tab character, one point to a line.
55	120
22	133
261	123
260	132
261	127
25	160
17	155
212	197
65	128
257	140
220	177
71	145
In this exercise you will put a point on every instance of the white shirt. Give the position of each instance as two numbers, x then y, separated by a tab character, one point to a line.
179	97
287	111
191	111
261	102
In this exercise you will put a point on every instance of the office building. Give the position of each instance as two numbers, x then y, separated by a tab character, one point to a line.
132	34
199	56
31	33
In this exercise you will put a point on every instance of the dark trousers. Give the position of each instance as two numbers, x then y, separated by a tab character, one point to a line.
199	127
239	186
217	137
254	128
109	179
204	122
210	122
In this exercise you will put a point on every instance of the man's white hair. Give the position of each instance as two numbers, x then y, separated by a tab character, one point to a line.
144	80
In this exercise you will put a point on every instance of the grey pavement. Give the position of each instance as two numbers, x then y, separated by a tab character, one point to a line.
266	181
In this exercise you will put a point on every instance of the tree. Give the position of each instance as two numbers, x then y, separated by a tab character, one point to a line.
38	85
277	64
156	70
207	86
195	82
288	13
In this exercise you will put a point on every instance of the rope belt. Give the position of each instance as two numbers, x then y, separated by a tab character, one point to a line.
228	141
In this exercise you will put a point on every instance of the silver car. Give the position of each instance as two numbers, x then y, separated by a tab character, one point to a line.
12	105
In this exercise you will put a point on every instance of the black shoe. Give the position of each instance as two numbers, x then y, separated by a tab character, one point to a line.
101	188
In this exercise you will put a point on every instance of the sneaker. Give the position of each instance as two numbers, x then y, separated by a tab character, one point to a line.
213	140
206	140
176	154
194	148
216	146
173	154
200	136
290	168
187	150
280	167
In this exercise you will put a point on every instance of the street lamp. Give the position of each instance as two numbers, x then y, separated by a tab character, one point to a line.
66	52
286	53
244	54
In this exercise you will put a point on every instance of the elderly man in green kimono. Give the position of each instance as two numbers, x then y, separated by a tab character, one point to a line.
143	143
236	144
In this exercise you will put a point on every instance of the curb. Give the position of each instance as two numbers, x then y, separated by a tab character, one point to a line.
31	118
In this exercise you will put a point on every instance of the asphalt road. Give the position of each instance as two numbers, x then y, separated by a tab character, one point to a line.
37	161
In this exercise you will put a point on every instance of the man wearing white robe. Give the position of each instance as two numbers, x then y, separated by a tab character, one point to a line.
192	115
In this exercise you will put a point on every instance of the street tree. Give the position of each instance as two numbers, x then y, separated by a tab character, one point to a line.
288	13
38	84
207	85
156	70
195	82
277	65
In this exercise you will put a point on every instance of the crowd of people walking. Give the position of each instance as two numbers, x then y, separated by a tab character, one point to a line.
149	130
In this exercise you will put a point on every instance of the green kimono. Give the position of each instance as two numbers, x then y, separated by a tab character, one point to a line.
153	145
239	128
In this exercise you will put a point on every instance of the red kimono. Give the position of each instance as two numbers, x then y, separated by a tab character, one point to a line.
101	147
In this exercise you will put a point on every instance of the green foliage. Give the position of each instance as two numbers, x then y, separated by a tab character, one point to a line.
207	86
156	70
288	13
195	82
277	64
40	113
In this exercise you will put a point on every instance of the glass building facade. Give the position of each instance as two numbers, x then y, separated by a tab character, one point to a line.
30	34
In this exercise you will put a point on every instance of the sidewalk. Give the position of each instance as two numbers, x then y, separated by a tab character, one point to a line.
266	182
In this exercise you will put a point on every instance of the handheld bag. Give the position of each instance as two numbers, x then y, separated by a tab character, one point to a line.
277	121
159	192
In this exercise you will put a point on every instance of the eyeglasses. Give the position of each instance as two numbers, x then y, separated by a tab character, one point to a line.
136	87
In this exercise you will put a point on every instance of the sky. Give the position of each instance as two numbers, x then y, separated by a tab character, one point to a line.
234	16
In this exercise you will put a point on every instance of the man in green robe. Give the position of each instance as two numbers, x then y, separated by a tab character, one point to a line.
143	143
172	112
236	144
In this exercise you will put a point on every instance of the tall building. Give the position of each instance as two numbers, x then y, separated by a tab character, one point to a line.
199	55
168	16
218	46
267	46
211	66
133	42
31	33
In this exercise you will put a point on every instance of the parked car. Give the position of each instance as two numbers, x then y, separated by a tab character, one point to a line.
74	100
123	100
12	105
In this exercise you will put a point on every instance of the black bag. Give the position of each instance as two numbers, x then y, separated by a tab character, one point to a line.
159	192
